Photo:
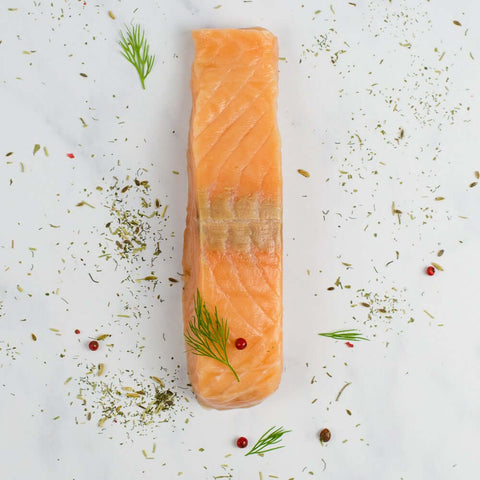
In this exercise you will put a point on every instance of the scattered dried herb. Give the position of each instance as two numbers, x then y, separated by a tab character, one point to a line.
83	203
103	336
141	405
341	390
303	172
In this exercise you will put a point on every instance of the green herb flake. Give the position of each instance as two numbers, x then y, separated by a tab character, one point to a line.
36	148
303	172
341	391
82	203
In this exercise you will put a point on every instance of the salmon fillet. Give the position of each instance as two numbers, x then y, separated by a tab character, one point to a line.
233	238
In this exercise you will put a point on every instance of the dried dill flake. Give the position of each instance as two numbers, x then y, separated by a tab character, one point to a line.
135	221
134	402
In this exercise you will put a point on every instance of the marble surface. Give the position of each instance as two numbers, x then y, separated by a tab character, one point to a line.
379	103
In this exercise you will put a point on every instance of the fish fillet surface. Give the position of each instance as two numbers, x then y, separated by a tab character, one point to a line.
233	237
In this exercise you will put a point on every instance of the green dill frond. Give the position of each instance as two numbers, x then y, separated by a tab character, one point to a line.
136	50
351	335
207	336
266	443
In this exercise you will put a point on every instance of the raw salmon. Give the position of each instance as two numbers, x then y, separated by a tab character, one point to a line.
233	238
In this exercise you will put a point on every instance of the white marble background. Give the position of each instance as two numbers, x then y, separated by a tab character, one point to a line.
353	76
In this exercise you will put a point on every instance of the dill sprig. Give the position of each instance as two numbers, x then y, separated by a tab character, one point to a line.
352	335
207	336
136	50
271	437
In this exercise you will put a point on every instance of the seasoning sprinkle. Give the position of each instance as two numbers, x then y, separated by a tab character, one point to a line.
341	390
148	278
303	172
157	380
